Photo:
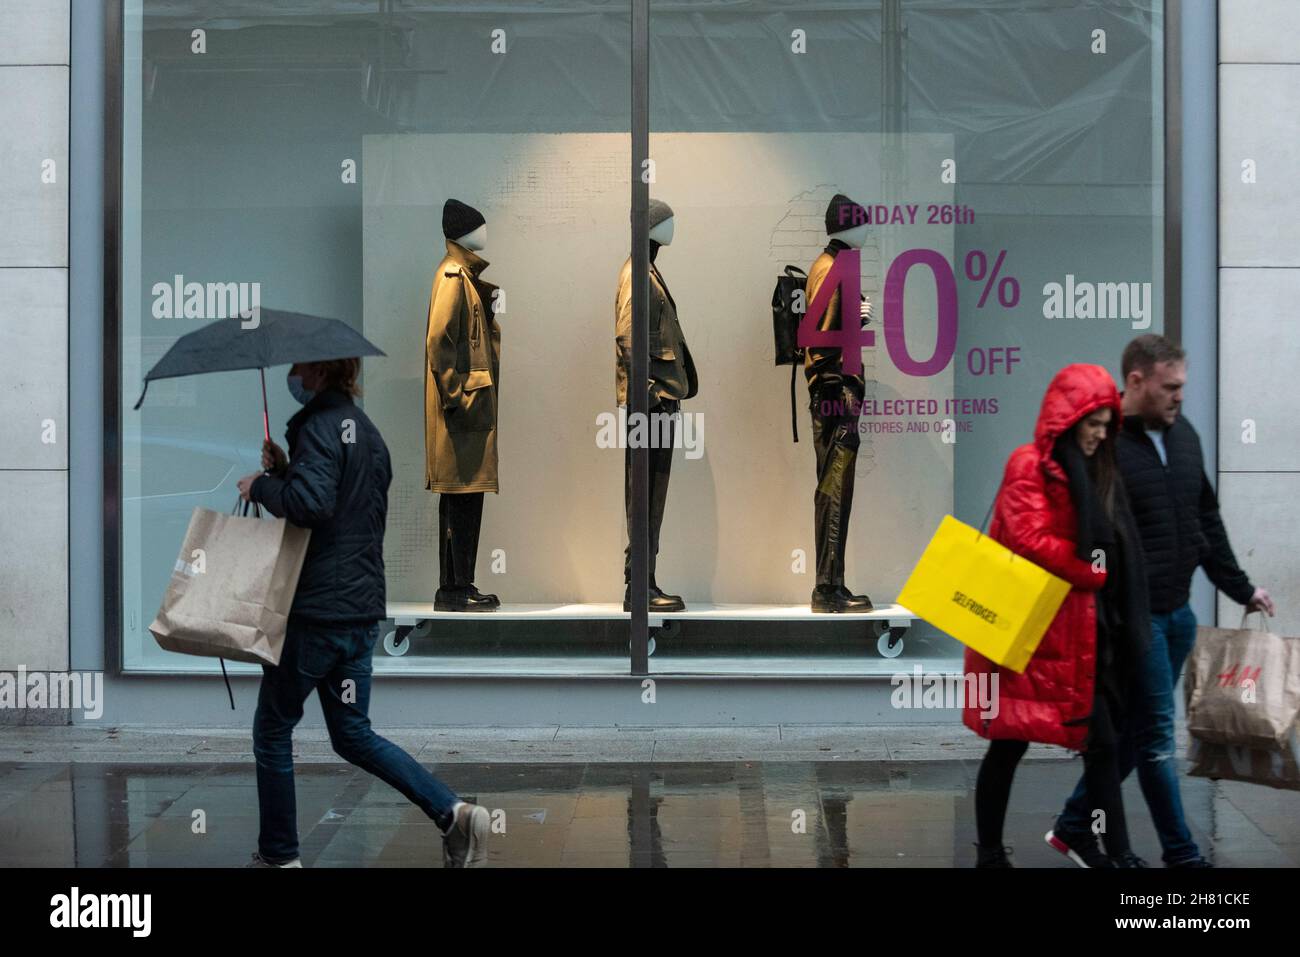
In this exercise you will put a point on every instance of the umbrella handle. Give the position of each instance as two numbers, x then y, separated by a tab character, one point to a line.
266	418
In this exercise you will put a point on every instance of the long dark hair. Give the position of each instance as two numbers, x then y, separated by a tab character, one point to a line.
1103	466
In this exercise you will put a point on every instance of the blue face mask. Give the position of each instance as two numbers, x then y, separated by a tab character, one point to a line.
296	389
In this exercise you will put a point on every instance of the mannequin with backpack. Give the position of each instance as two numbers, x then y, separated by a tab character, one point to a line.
835	400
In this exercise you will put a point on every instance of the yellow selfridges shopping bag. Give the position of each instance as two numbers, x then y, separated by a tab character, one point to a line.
984	595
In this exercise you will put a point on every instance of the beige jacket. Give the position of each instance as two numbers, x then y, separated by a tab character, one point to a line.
462	368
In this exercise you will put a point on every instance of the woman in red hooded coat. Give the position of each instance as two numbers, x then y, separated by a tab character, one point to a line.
1062	506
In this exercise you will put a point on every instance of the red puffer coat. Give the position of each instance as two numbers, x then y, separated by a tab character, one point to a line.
1034	517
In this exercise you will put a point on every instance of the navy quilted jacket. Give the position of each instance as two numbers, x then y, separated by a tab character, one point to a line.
336	485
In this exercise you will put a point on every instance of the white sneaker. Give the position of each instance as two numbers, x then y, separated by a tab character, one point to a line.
465	845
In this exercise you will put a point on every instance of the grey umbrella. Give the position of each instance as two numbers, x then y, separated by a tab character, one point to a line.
277	338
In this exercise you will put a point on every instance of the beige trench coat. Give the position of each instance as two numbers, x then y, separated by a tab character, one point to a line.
462	368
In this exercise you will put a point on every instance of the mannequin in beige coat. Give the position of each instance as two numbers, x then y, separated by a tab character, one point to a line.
463	358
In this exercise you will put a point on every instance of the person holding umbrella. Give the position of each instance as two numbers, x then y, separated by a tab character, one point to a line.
334	480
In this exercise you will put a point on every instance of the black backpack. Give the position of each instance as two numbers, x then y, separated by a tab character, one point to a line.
788	310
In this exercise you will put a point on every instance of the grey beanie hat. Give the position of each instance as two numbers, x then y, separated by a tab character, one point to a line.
659	212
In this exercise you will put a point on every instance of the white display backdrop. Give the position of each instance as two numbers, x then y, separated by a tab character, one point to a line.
558	227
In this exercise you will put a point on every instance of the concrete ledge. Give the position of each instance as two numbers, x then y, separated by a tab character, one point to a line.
531	745
32	717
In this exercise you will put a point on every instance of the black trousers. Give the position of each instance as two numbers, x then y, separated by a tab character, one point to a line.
661	466
836	441
1100	774
459	517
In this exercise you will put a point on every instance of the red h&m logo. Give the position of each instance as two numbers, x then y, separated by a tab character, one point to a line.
1234	679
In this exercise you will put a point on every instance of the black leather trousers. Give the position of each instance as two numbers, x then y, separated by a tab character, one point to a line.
836	441
661	465
459	518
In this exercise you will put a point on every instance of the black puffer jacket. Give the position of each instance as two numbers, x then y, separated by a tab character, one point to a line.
336	485
1177	514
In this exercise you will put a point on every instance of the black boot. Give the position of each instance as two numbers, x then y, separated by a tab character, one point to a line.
489	600
992	856
659	602
464	598
856	602
836	599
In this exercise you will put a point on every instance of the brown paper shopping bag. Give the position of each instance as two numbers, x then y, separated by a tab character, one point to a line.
232	587
1272	767
1243	687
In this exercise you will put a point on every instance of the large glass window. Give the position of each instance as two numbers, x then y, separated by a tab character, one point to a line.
1007	157
303	154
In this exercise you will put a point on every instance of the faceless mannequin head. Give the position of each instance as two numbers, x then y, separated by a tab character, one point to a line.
853	238
847	221
659	218
663	233
475	240
463	224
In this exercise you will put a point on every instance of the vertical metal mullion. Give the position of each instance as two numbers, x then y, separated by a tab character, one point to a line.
114	109
1173	128
637	399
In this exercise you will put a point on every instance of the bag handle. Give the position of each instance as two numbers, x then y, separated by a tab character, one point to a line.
790	271
226	678
257	512
1011	556
257	509
794	420
1263	625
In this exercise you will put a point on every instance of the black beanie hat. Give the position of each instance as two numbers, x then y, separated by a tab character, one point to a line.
843	213
459	219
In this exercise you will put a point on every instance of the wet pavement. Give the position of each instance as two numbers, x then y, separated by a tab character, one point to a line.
747	813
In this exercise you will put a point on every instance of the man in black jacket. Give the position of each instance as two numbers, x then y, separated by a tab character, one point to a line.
1178	518
335	482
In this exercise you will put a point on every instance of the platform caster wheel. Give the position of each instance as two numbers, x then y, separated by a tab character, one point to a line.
671	628
650	647
890	644
397	646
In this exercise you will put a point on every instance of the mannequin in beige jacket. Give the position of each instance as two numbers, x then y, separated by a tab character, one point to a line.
463	359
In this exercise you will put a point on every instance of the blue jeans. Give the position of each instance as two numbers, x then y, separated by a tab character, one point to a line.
335	661
1149	738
